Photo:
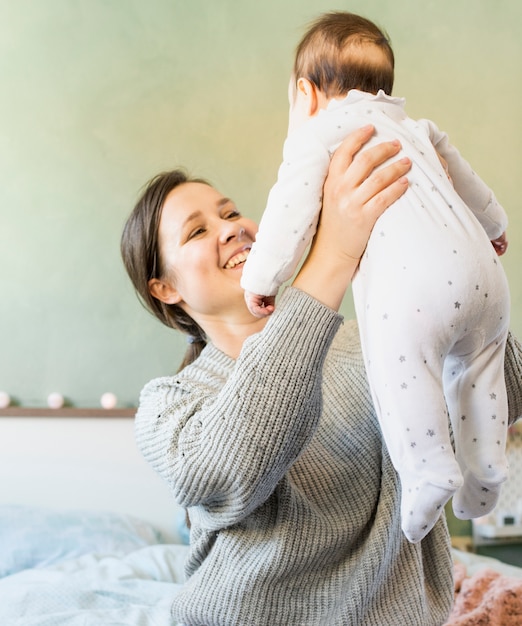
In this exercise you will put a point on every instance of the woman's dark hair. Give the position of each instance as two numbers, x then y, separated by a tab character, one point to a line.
142	258
334	55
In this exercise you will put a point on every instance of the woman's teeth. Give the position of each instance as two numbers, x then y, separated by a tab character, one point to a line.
236	260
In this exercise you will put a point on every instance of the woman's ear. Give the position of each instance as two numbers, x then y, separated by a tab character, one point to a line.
164	292
307	93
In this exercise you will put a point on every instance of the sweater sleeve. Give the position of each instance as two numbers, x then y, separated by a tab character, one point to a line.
513	377
224	445
470	187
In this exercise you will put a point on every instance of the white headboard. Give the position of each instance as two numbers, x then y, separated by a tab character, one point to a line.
81	463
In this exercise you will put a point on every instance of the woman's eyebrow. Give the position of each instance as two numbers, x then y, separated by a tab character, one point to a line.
224	201
198	212
195	214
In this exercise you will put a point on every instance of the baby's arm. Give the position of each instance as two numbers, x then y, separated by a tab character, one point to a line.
290	218
500	243
470	187
258	305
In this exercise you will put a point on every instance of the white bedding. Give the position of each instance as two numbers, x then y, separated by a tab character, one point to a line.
475	563
94	590
100	568
136	589
88	533
85	568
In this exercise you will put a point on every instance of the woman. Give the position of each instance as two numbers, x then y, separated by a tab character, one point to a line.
269	438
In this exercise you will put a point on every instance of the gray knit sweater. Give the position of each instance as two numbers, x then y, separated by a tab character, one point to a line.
293	499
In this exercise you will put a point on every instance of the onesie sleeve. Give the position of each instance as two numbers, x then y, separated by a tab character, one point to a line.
290	218
470	187
222	437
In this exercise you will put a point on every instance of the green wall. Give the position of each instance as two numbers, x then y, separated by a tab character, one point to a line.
99	95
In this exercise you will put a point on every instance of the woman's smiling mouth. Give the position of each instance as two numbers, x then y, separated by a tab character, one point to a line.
237	259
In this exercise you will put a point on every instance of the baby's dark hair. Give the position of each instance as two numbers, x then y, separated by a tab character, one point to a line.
343	51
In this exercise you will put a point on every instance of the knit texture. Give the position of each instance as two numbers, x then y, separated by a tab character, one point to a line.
513	377
293	500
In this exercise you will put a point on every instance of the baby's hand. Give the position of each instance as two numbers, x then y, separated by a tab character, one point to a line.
260	306
500	244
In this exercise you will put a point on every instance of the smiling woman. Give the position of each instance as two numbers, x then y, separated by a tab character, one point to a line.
200	250
183	247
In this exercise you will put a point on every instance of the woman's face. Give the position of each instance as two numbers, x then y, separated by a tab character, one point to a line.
204	242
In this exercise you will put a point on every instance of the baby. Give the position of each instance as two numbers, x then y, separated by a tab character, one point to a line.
431	297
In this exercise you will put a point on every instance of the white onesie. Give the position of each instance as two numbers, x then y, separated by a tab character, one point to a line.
431	298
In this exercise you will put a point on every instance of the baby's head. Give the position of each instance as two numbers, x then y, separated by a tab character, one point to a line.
340	51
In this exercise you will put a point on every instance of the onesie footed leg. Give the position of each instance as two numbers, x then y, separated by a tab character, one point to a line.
476	497
477	398
421	505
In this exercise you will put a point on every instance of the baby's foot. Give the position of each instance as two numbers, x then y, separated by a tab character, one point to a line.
475	498
421	507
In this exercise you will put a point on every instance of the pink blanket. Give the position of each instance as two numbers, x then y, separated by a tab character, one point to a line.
487	598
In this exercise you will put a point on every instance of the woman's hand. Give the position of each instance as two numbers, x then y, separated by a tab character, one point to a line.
355	195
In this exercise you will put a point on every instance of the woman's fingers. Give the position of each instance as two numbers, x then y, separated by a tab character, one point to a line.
365	164
357	171
500	244
355	174
360	185
359	188
382	187
346	152
361	163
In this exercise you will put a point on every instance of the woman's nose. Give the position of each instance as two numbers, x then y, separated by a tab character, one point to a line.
233	231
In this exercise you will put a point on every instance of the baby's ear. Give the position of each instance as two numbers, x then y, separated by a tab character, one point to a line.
307	94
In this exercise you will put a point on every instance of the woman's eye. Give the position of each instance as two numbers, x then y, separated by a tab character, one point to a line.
233	214
196	232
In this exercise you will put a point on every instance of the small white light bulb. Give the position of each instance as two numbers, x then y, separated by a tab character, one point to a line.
55	400
109	400
5	399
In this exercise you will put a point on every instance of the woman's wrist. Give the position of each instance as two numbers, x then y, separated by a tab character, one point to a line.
326	276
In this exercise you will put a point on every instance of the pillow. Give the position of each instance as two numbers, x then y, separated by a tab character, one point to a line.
37	537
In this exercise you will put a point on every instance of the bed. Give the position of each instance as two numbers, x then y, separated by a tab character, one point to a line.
88	533
89	536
